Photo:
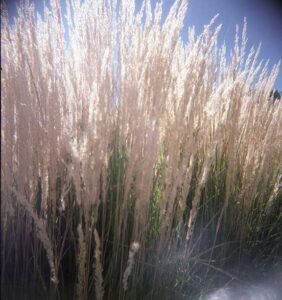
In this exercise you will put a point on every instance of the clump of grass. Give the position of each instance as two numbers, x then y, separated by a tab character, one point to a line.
133	249
98	268
41	232
81	285
133	135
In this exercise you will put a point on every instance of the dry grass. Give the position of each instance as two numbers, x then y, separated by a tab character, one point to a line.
121	125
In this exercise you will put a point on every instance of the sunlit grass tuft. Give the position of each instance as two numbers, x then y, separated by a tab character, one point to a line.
123	135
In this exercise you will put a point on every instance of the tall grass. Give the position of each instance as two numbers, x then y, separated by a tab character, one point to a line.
116	133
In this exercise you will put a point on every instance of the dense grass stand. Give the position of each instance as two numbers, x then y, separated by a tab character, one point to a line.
134	165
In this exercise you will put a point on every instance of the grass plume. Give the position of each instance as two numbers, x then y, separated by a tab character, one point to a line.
113	131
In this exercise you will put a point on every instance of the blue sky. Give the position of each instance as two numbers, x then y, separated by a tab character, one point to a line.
264	18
